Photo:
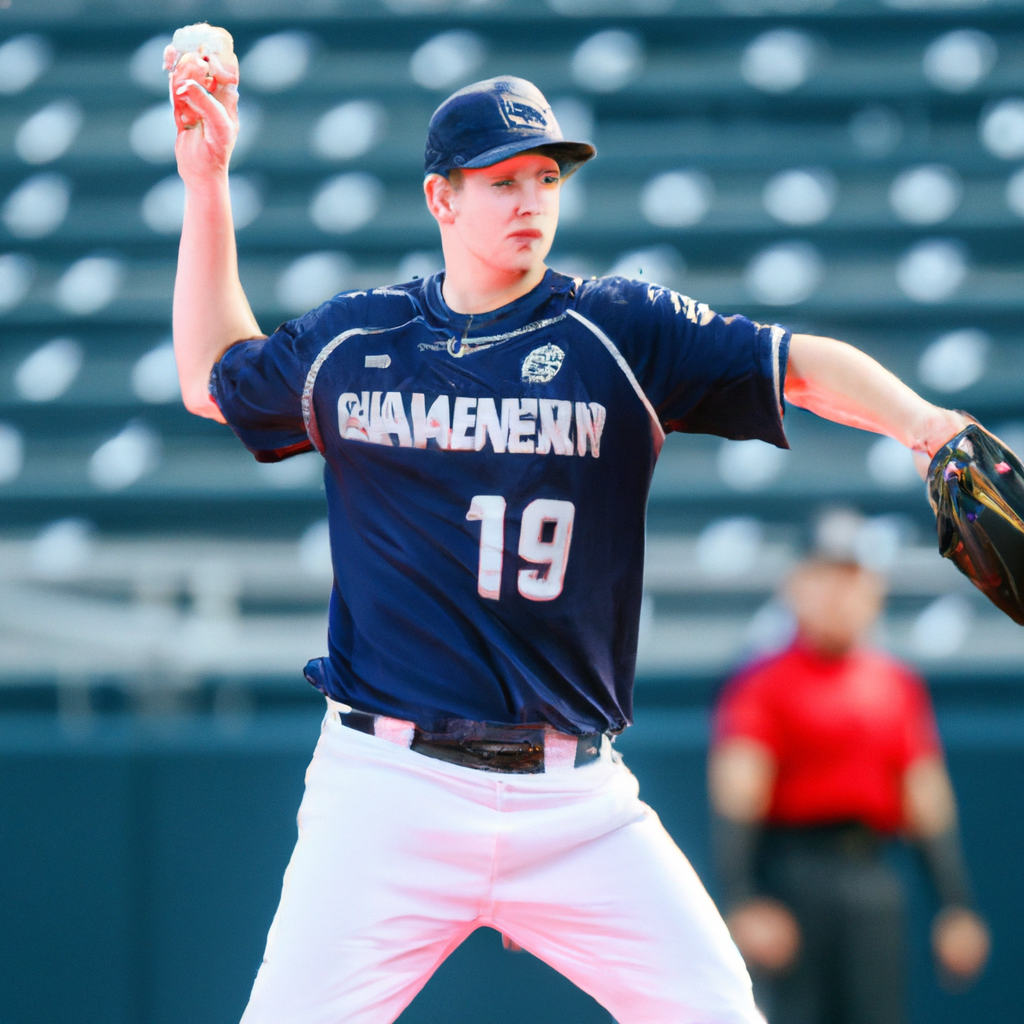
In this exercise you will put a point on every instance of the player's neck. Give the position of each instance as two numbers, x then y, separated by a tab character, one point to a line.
480	289
826	647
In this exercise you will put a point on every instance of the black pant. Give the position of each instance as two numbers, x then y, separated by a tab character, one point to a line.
850	906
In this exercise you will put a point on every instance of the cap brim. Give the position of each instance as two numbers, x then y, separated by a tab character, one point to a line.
567	154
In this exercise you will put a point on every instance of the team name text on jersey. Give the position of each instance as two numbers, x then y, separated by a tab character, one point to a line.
529	426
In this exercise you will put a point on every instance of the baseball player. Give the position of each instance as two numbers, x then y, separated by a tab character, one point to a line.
489	435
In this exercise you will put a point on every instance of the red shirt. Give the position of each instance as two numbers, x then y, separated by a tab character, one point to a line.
843	731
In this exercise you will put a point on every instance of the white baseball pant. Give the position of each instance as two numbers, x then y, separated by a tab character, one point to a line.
401	856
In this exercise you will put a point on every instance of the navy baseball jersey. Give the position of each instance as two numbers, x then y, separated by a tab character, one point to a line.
487	480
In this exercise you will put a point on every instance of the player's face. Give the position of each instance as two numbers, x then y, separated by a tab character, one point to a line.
835	605
506	214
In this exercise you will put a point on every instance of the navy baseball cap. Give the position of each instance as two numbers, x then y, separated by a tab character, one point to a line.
489	121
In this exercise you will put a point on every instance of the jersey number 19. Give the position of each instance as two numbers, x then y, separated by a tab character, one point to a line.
544	539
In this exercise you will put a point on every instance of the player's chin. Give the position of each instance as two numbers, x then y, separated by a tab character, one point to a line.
525	253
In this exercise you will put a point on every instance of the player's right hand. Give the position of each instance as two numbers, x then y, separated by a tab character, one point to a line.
766	933
204	93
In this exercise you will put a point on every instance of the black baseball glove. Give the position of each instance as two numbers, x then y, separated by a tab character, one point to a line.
976	488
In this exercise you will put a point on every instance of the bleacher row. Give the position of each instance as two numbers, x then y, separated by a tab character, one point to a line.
853	170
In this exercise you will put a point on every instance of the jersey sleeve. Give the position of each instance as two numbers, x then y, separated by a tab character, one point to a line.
258	387
744	711
703	373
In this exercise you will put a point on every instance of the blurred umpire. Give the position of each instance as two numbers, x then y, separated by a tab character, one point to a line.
821	755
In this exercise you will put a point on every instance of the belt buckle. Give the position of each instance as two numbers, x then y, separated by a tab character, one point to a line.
588	748
512	749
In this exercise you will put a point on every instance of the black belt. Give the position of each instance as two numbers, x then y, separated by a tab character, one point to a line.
515	749
850	840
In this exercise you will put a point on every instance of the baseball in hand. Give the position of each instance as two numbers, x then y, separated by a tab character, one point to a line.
203	54
204	95
203	38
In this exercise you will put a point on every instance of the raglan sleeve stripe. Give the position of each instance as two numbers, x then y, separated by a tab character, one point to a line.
656	428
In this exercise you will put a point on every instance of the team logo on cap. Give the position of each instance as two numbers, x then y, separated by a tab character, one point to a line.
542	364
521	115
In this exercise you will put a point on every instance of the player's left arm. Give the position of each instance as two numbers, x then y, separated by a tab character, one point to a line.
705	373
841	383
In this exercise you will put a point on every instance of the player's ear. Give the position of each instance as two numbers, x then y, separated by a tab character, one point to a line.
440	195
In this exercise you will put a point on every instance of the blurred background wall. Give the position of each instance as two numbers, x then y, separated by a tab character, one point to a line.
847	167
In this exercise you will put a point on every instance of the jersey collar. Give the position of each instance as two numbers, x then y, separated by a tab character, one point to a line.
534	305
